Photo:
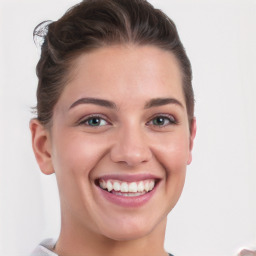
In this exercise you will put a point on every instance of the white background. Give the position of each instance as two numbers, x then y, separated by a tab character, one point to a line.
216	214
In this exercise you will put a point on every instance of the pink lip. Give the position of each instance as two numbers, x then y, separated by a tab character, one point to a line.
125	201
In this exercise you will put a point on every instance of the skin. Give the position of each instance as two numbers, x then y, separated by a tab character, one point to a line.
128	141
246	252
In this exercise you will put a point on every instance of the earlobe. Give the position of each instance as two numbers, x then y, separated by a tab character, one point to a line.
41	146
192	137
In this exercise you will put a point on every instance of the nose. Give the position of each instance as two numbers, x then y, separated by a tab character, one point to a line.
131	147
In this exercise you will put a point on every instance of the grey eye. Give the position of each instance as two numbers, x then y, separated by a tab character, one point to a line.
94	121
163	120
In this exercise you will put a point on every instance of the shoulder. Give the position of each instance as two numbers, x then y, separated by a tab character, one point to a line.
45	248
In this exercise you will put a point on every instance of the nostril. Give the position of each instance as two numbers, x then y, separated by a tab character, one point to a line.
131	148
132	157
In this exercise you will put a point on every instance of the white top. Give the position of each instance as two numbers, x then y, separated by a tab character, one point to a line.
45	248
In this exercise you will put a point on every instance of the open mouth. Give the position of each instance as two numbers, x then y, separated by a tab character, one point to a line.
127	189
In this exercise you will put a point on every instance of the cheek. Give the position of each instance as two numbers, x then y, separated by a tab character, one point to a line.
76	153
172	152
74	158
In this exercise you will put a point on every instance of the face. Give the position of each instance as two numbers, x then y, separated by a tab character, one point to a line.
120	141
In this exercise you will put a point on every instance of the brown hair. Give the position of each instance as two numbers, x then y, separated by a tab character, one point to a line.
92	24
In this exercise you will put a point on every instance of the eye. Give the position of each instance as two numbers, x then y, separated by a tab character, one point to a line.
94	121
162	120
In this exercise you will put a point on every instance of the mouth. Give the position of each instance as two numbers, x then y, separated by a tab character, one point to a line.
127	191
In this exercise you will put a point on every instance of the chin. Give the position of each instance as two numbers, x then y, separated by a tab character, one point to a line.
130	230
127	235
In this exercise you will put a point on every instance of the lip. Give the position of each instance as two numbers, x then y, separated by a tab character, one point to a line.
125	201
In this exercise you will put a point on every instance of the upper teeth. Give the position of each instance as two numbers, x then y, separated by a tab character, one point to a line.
134	187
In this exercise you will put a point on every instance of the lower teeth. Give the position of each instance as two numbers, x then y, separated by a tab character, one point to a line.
128	194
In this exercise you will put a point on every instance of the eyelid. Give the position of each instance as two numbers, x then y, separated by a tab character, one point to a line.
173	120
82	120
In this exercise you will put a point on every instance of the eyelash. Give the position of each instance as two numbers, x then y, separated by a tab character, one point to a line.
171	120
90	117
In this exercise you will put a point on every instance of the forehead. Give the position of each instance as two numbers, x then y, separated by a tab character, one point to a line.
137	72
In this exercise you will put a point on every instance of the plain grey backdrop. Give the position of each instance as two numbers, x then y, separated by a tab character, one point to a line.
216	214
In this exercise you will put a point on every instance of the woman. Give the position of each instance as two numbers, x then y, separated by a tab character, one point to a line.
115	123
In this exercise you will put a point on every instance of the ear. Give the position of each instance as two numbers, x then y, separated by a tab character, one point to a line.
191	140
41	144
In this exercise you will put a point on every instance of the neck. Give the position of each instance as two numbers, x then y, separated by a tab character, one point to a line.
74	240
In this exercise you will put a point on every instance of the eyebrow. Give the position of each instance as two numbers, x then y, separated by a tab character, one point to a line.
95	101
162	101
109	104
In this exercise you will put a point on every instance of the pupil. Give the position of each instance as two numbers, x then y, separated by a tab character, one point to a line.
94	121
159	121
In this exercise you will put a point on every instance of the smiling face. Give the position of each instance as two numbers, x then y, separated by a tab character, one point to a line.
119	142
